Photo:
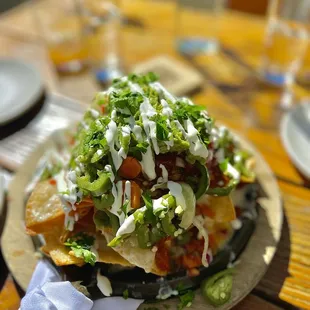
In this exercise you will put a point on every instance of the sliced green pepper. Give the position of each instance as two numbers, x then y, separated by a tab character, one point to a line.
106	219
170	200
104	201
217	289
204	180
168	227
156	235
184	238
101	219
114	222
143	237
97	187
222	191
116	241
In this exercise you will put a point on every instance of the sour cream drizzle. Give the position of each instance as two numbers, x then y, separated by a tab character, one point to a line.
176	191
147	111
164	172
128	226
167	111
160	89
94	113
127	195
198	223
112	139
104	284
69	195
117	192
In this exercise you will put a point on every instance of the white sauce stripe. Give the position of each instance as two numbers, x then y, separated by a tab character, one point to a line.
198	222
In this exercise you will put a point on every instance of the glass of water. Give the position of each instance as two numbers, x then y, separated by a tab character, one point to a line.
197	25
286	41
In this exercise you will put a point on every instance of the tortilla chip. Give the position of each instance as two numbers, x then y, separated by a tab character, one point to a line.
222	207
143	258
107	254
62	255
44	209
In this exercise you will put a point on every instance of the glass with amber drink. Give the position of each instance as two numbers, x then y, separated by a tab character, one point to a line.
63	33
286	41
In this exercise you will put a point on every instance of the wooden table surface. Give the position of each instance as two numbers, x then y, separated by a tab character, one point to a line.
231	93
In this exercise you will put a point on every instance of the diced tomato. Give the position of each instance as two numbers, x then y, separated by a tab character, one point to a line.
130	168
190	261
102	108
72	141
52	182
135	195
212	243
162	258
238	211
194	272
135	191
195	245
205	210
224	232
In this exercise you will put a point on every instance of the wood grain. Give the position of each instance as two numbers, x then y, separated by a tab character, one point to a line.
9	298
232	94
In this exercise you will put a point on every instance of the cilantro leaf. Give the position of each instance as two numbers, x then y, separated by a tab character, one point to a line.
80	244
147	200
186	299
224	165
162	131
125	206
143	79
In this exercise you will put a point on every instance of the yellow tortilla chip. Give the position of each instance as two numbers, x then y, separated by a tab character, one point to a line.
107	254
44	209
222	207
62	255
143	258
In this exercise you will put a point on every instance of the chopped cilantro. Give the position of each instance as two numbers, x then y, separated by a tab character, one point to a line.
186	299
143	79
147	200
80	244
162	130
125	206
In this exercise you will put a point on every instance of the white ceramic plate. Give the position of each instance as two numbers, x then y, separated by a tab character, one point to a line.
20	88
295	134
19	251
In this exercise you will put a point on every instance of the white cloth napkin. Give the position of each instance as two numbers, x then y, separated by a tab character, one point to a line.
46	291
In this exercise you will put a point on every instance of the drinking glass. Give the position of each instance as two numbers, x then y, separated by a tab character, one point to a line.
286	41
62	31
197	25
102	22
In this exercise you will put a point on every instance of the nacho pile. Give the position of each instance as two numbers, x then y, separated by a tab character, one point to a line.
147	185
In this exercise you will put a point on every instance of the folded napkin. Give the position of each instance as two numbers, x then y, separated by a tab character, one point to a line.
46	291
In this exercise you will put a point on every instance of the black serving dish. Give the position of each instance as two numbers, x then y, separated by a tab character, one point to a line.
146	285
